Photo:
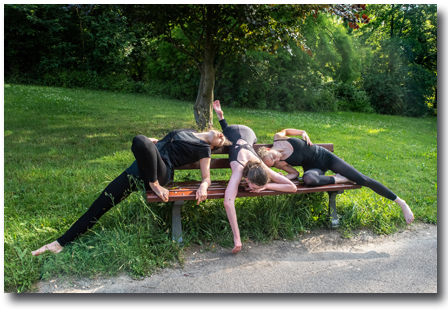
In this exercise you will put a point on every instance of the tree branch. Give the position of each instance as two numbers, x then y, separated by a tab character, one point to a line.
231	29
185	52
189	39
336	44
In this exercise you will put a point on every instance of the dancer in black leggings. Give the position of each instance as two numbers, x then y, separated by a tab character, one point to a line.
315	160
153	165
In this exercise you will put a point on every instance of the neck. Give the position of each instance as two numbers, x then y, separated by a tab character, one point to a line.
203	136
280	150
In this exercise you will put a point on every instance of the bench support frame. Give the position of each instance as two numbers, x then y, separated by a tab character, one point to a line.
177	224
177	207
332	208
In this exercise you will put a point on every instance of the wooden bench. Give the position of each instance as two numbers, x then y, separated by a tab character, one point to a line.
186	191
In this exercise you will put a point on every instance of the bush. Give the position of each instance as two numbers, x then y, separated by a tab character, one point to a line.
352	99
87	79
399	86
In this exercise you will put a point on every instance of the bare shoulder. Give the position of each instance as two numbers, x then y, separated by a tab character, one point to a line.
280	136
237	168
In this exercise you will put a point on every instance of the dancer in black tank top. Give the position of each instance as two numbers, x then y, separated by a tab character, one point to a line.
154	164
315	160
244	162
242	137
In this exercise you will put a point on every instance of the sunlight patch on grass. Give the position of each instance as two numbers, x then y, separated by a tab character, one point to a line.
375	131
102	135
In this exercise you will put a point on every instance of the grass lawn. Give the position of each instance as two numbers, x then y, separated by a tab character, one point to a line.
63	146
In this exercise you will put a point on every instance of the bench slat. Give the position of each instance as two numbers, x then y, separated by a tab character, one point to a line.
186	191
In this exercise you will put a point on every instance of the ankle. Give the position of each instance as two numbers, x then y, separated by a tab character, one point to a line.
154	184
400	201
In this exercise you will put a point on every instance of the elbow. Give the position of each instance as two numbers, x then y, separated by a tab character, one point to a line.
229	203
293	188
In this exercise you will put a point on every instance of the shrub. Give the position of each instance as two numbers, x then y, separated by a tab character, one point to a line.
350	98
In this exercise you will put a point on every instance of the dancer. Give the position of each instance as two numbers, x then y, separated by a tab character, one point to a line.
154	164
316	160
244	162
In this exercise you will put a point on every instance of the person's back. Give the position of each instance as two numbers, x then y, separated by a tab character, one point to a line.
236	133
302	153
181	147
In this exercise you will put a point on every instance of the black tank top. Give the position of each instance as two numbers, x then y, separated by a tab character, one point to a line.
181	147
302	154
235	133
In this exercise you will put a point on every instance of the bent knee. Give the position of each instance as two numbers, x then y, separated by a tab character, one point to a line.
139	141
309	179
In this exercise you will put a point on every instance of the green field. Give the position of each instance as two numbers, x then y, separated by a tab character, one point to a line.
62	147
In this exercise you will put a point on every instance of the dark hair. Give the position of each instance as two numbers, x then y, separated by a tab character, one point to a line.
256	173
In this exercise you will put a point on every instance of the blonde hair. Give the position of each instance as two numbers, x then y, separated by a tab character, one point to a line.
227	142
263	152
256	172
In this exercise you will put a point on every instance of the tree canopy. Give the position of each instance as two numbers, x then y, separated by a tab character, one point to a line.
287	57
209	33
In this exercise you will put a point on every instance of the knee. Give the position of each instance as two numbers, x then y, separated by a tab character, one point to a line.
139	142
309	179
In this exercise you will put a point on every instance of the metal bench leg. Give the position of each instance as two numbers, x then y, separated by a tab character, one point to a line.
177	225
332	208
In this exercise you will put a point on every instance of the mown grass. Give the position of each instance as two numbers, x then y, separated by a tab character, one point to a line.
62	147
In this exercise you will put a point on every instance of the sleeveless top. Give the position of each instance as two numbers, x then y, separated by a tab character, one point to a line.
178	148
181	147
235	133
302	154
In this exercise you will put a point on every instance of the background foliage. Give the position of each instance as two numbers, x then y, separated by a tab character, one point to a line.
388	66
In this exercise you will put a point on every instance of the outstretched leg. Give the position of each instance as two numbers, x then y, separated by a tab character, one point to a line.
340	166
115	192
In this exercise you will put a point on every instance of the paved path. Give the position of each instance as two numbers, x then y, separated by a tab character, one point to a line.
322	262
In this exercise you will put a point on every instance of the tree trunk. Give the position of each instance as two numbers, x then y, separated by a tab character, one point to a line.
392	23
203	108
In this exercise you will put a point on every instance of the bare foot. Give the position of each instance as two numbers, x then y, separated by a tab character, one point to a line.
53	247
407	212
160	191
338	178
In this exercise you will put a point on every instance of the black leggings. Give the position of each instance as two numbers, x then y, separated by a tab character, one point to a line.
151	168
316	177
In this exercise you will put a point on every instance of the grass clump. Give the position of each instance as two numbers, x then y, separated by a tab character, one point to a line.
63	146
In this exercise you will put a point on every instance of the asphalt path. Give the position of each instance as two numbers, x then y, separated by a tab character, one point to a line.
321	262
